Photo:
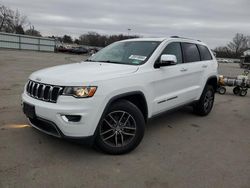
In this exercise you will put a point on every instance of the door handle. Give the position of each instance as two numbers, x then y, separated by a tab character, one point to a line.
204	66
183	69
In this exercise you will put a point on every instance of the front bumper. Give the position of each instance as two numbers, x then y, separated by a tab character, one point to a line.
52	129
52	115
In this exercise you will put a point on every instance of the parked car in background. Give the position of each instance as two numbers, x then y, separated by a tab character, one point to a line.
222	60
78	50
62	49
236	61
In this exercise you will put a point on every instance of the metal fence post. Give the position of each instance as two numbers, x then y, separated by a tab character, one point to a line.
19	42
39	42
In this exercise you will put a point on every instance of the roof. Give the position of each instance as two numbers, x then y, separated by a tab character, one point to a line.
147	39
183	39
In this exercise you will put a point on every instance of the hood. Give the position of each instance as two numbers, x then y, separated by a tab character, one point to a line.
81	73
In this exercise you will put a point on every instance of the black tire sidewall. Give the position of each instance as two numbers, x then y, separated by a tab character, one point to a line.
199	106
243	93
236	90
140	127
222	90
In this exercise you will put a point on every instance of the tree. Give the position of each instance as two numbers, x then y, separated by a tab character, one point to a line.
77	41
91	38
248	42
19	30
18	22
235	48
33	32
223	52
67	39
95	39
5	18
238	45
12	21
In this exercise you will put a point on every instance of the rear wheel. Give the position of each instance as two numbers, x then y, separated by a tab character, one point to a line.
205	104
222	90
121	129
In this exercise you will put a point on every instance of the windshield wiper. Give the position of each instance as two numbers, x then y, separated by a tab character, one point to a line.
89	60
108	61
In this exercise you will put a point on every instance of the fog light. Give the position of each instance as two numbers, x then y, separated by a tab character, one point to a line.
71	118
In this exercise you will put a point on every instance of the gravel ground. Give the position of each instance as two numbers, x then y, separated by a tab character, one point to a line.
179	149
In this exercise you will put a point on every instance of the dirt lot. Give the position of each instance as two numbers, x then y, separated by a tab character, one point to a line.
179	149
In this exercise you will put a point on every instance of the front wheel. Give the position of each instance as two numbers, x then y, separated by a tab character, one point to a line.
243	92
205	104
121	129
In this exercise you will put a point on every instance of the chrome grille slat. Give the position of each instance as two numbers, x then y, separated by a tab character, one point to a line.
44	92
50	93
29	89
32	89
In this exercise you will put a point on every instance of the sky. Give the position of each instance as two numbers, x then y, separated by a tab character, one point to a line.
214	22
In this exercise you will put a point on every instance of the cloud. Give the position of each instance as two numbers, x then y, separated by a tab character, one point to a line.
212	21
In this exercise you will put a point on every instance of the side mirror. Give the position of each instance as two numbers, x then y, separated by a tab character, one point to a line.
168	60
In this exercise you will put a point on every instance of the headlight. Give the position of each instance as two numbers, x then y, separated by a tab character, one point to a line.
80	92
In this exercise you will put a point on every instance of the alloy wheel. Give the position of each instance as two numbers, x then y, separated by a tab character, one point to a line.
208	101
118	129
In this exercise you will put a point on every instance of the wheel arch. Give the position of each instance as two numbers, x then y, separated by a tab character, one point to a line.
135	97
213	81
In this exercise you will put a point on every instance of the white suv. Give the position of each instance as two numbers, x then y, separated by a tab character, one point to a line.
109	97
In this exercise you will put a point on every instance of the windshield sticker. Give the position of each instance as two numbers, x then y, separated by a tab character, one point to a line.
136	62
138	57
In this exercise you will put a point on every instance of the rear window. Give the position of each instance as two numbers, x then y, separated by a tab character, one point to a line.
205	54
190	52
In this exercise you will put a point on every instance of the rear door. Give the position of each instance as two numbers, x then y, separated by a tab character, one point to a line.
207	64
192	72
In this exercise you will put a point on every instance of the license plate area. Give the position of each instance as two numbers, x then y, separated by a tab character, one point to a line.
29	110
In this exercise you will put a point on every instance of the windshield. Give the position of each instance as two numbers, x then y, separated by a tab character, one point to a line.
130	52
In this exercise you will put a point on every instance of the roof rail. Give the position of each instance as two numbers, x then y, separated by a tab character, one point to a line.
183	38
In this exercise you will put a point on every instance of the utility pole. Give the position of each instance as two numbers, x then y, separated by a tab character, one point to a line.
129	31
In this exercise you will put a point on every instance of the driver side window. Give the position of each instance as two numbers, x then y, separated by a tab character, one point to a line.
174	48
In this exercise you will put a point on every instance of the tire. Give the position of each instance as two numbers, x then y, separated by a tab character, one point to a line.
243	92
222	90
205	104
121	129
236	90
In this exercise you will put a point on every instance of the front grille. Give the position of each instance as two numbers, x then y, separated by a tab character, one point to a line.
44	92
